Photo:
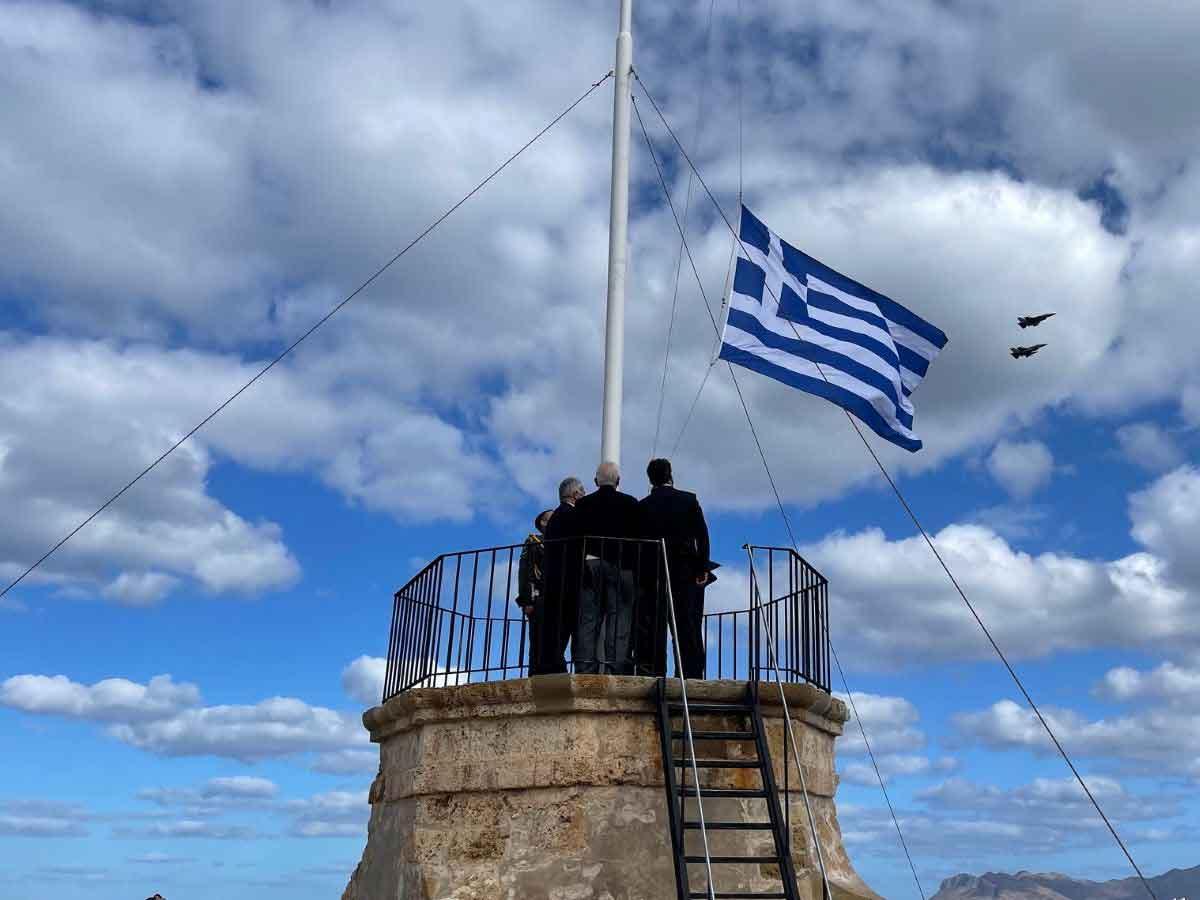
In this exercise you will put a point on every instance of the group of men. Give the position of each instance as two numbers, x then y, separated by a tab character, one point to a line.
594	578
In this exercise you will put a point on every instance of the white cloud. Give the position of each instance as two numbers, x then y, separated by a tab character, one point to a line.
895	603
189	828
1166	518
1148	445
966	826
240	787
332	814
167	719
1169	682
1022	467
362	680
216	795
1014	522
1049	801
42	819
1155	740
535	344
280	726
140	588
110	700
123	408
347	762
890	723
235	240
893	766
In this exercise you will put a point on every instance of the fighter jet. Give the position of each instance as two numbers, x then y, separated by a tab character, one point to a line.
1018	352
1031	321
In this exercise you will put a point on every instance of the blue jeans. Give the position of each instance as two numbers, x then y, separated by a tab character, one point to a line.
605	611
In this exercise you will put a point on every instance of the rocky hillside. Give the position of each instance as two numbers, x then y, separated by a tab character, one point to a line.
1177	883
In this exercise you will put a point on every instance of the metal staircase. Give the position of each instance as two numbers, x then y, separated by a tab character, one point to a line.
750	732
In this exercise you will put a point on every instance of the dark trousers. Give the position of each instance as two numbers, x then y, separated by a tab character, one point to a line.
605	629
550	628
689	619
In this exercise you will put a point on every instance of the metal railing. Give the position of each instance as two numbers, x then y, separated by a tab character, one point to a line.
457	621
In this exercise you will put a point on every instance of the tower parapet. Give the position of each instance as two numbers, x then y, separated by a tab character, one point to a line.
496	785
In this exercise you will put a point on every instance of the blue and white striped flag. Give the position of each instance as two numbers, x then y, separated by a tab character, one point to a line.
787	313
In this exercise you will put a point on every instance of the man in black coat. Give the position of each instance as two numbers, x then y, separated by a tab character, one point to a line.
676	517
554	617
606	519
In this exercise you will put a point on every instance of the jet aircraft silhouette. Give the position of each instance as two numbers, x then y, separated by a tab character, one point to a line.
1018	352
1031	321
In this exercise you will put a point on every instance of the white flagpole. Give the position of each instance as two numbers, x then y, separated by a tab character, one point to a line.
618	243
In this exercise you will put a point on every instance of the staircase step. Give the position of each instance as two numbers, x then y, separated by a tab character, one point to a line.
732	860
715	735
735	895
723	792
708	708
729	826
702	763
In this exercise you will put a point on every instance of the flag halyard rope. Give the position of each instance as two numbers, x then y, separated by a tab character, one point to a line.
778	499
924	534
687	206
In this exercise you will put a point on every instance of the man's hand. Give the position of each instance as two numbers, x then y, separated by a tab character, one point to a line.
528	610
702	580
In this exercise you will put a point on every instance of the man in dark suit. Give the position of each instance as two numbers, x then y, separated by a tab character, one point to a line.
606	518
676	517
554	617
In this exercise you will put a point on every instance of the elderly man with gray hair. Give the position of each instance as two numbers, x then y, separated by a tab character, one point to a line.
606	519
553	619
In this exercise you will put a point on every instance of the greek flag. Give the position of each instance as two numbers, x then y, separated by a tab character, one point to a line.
787	314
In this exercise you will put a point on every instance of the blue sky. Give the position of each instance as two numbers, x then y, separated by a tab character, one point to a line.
188	187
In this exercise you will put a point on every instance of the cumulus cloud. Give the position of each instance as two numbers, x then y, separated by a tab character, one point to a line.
42	819
895	602
140	588
216	795
168	719
110	700
251	278
123	409
260	262
1021	467
1154	740
1149	446
347	762
1057	801
966	825
362	680
890	723
333	814
1169	682
279	726
893	766
189	828
1166	517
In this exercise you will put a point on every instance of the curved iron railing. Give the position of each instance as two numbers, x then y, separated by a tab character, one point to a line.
456	621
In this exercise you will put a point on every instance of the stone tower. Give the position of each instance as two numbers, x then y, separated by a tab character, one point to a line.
551	788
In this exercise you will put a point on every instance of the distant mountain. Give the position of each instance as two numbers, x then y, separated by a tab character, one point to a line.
1051	886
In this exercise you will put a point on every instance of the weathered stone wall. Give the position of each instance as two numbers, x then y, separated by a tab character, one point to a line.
551	788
